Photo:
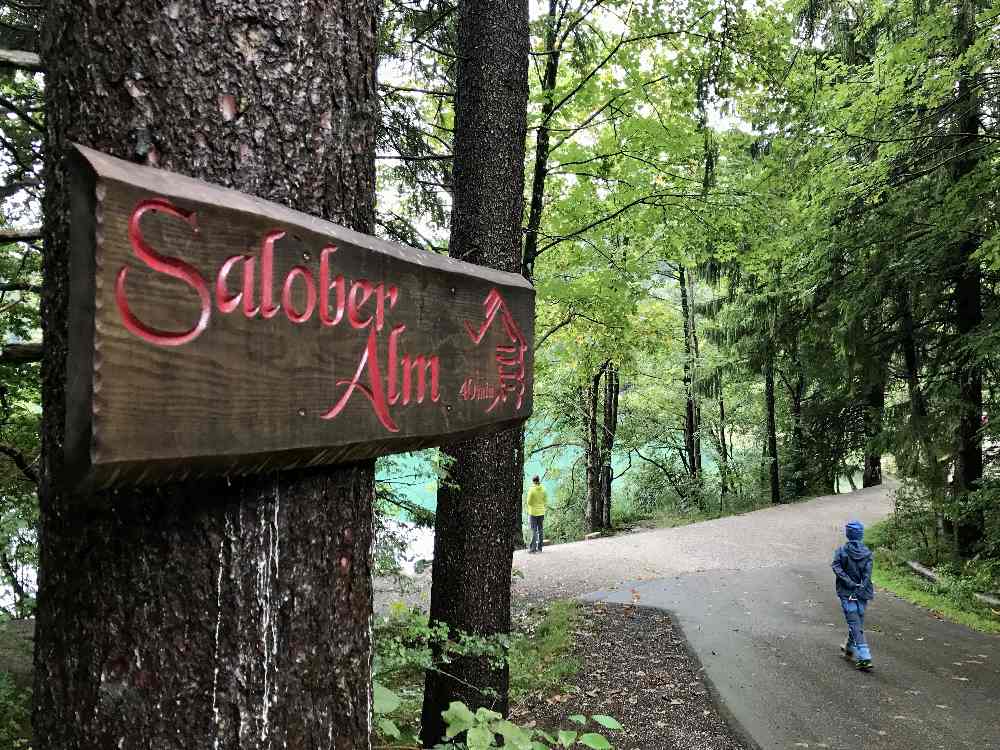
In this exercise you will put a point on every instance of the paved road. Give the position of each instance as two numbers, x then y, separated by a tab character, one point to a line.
754	596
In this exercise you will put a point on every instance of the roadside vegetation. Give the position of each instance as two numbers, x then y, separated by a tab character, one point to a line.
538	652
895	542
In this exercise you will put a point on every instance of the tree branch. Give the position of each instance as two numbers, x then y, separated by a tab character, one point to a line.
550	446
9	571
22	113
411	90
12	58
32	234
33	288
400	157
20	461
561	324
19	354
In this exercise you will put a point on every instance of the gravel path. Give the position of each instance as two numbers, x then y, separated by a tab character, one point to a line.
805	532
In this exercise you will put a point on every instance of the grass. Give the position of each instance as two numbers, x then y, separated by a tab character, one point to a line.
925	594
541	655
944	599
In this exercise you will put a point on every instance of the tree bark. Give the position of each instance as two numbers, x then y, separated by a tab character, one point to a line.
968	300
593	454
690	407
723	445
695	359
918	403
542	142
874	410
796	392
211	613
608	432
772	434
476	510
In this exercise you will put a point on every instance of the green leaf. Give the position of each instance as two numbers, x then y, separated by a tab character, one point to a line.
513	735
595	741
479	738
606	721
484	715
458	718
578	719
384	700
388	728
567	737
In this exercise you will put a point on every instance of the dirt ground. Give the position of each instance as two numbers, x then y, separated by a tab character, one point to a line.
636	669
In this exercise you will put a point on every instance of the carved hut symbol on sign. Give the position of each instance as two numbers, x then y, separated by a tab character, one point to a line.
510	357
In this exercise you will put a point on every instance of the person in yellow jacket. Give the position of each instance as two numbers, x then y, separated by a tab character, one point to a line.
536	513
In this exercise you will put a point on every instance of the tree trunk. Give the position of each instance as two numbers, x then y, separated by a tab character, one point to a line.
723	446
608	431
211	613
542	143
695	359
968	301
690	409
874	409
918	403
592	512
473	548
797	392
772	434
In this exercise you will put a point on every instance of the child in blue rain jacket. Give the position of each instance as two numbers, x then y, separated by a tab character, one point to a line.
852	565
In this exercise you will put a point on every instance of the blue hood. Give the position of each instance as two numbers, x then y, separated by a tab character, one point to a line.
857	550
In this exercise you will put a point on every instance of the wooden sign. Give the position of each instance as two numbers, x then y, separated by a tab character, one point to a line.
212	332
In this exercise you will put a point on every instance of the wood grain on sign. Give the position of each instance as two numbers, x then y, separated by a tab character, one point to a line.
212	332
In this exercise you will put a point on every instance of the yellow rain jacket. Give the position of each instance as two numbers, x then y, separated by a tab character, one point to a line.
536	500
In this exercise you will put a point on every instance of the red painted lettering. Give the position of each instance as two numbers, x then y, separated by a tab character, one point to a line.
324	289
226	302
373	391
267	307
397	331
286	295
354	307
421	364
383	294
174	267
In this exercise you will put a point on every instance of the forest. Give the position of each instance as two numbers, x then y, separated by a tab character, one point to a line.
764	242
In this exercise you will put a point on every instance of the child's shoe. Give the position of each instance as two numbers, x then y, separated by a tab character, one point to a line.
864	665
847	650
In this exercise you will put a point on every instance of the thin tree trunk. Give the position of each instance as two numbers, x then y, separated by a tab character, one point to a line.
772	434
690	409
608	432
798	436
473	548
934	474
874	410
210	613
968	301
695	359
594	463
542	143
723	447
918	403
